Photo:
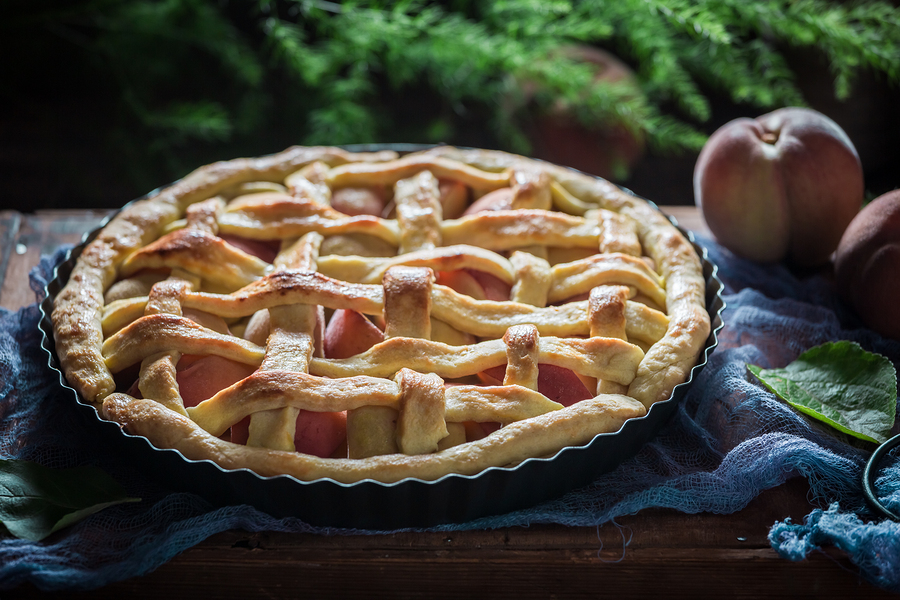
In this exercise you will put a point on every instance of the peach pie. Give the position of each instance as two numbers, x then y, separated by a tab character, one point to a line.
328	314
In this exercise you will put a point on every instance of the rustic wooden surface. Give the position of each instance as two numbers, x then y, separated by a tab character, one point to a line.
655	552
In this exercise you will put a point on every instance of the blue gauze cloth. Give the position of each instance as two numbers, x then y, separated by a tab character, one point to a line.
728	441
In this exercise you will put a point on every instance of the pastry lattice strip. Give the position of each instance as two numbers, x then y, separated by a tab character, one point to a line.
276	216
157	376
608	358
289	347
483	318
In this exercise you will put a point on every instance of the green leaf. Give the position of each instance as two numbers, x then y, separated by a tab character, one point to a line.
35	500
841	384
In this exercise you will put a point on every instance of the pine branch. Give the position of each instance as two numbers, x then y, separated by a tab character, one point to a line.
863	35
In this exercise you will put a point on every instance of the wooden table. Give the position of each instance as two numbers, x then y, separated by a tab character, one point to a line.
670	554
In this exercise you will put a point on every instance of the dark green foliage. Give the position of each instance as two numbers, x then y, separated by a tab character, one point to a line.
265	74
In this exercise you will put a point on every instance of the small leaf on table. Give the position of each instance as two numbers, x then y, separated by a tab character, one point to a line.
35	500
841	384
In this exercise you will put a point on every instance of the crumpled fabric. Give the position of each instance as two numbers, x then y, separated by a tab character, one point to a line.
871	545
729	440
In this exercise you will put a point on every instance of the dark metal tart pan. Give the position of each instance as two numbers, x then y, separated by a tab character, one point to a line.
384	506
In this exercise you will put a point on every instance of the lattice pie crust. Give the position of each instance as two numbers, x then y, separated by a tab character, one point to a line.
601	284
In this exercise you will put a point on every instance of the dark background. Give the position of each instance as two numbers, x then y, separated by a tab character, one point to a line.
63	135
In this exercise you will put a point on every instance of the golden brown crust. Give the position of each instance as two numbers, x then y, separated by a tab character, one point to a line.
77	309
640	332
539	436
669	362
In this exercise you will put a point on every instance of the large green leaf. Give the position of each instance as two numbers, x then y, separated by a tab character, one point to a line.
841	384
35	501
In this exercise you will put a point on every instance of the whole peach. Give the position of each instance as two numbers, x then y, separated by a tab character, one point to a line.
556	134
867	264
782	186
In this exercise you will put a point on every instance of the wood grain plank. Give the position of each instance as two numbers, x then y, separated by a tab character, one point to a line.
36	235
688	217
677	575
668	553
10	221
